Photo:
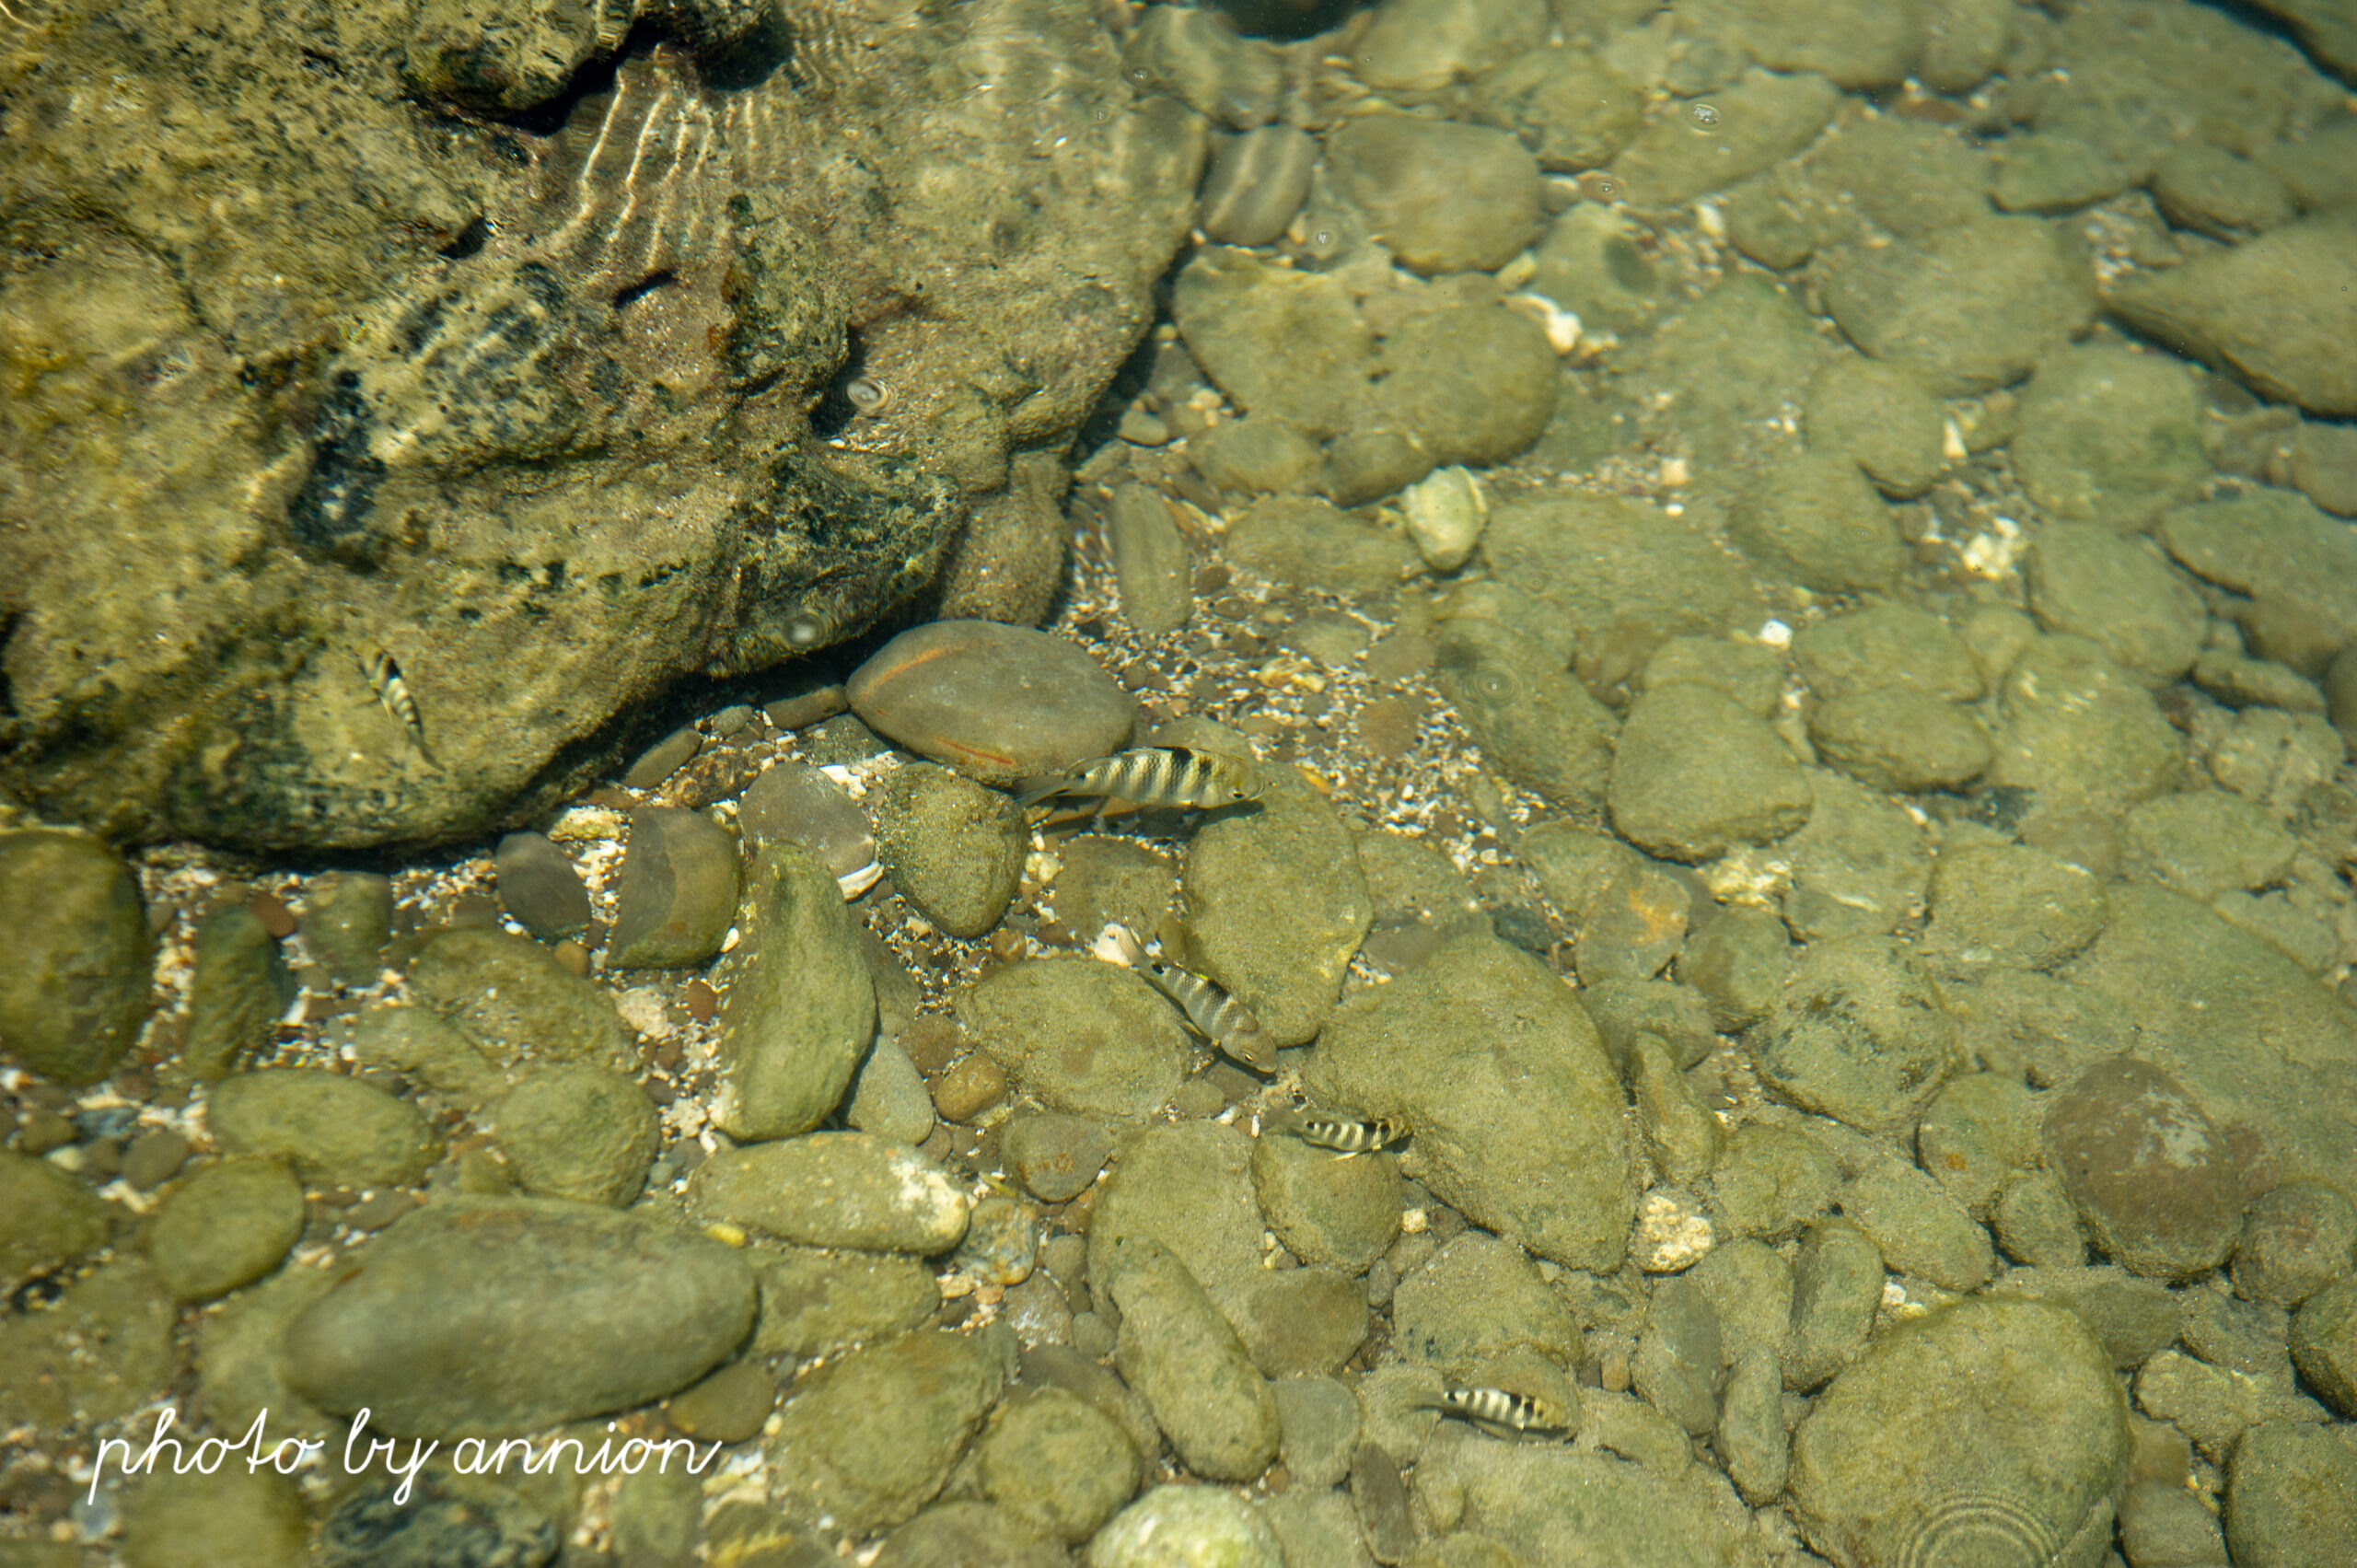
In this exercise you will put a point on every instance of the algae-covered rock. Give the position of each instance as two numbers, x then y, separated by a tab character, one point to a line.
1276	905
338	1131
598	538
241	990
2017	1434
953	847
1087	1038
74	976
498	1316
867	1442
516	1000
799	1011
1515	1111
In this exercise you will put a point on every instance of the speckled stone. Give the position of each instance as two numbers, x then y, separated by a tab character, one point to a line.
953	848
73	975
835	1190
2153	1177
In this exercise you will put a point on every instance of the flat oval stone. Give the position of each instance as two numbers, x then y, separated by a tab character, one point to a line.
2153	1176
865	1442
998	703
338	1131
794	800
493	1316
240	989
835	1190
539	886
677	893
227	1226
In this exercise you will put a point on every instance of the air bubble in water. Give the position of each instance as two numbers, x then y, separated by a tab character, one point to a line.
1705	116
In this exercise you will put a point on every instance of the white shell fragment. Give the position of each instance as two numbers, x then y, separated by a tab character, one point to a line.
1562	327
854	883
1446	511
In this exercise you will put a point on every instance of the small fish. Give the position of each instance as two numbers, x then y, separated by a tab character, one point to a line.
385	679
1325	1130
1500	1411
1154	775
1209	1011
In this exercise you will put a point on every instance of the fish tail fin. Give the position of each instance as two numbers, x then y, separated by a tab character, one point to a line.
1038	788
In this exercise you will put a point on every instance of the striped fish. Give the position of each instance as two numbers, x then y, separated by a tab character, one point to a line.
1349	1134
1154	775
385	679
1500	1411
1209	1011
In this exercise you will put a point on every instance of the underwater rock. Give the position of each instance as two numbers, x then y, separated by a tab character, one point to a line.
537	412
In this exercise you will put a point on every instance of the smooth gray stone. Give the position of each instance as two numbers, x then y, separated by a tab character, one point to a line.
493	1316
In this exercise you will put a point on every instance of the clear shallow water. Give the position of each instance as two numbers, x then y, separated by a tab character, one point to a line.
1787	575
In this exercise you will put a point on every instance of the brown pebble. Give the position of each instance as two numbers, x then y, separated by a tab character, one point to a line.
931	1041
728	1407
1008	945
1615	1374
702	1001
42	1130
153	1158
271	911
574	956
101	1160
969	1088
1278	1479
613	799
1210	579
1056	934
806	708
663	758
